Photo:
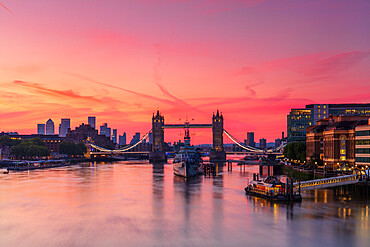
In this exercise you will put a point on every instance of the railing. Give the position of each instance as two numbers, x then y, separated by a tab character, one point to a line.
328	182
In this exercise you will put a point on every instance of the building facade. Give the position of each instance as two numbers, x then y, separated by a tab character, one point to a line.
297	122
250	139
65	124
150	137
333	139
299	119
105	130
278	142
114	136
362	146
135	138
87	134
92	121
51	141
50	127
41	129
122	139
218	130
263	143
158	132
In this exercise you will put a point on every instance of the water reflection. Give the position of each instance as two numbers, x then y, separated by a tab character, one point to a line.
139	204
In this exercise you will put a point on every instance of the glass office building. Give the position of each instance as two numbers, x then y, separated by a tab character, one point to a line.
299	119
362	148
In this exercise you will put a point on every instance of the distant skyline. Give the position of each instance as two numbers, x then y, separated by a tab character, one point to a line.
121	60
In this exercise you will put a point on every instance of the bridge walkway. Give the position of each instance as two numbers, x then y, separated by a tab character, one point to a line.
327	182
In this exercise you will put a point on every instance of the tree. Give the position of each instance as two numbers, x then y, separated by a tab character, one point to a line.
70	148
30	148
315	161
295	151
8	141
81	148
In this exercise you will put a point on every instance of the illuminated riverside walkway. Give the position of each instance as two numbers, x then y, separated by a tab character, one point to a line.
327	182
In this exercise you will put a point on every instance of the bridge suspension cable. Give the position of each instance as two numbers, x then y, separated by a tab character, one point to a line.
246	147
122	149
134	145
252	149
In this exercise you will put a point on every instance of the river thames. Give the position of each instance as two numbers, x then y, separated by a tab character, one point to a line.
133	203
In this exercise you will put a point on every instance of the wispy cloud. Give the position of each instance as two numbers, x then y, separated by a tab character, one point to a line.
85	78
53	92
157	79
6	8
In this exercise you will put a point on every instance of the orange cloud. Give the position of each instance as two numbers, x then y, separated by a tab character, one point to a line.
52	92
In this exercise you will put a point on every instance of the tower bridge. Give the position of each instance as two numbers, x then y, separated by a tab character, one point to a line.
158	152
158	126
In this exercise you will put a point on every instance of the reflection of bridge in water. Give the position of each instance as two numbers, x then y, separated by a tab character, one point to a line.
158	152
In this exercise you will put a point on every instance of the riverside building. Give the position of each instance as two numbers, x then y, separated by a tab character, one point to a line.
362	146
333	139
299	119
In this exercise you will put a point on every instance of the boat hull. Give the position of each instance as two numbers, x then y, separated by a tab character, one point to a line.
187	170
27	168
277	198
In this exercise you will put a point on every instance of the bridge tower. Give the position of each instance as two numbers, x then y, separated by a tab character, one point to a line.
158	152
217	152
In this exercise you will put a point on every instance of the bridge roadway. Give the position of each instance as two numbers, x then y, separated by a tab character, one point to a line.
182	126
327	182
249	152
117	152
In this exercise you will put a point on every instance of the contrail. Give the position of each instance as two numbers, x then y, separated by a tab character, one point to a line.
6	8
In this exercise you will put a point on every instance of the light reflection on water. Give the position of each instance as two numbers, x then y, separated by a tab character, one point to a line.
138	204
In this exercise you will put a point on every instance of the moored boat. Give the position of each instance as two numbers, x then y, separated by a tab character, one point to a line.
188	161
273	189
41	164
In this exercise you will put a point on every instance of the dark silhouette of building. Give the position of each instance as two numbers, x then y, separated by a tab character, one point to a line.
104	130
142	147
278	142
135	138
50	127
41	129
65	124
250	139
92	121
114	136
157	153
150	137
218	152
262	143
122	139
87	134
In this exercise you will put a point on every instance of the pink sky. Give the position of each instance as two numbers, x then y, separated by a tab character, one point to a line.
120	60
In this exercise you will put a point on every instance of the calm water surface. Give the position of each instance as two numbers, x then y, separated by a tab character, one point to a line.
138	204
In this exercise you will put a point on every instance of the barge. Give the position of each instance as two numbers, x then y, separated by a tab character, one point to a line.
271	188
34	165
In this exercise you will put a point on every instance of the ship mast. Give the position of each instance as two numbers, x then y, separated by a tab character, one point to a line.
187	136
